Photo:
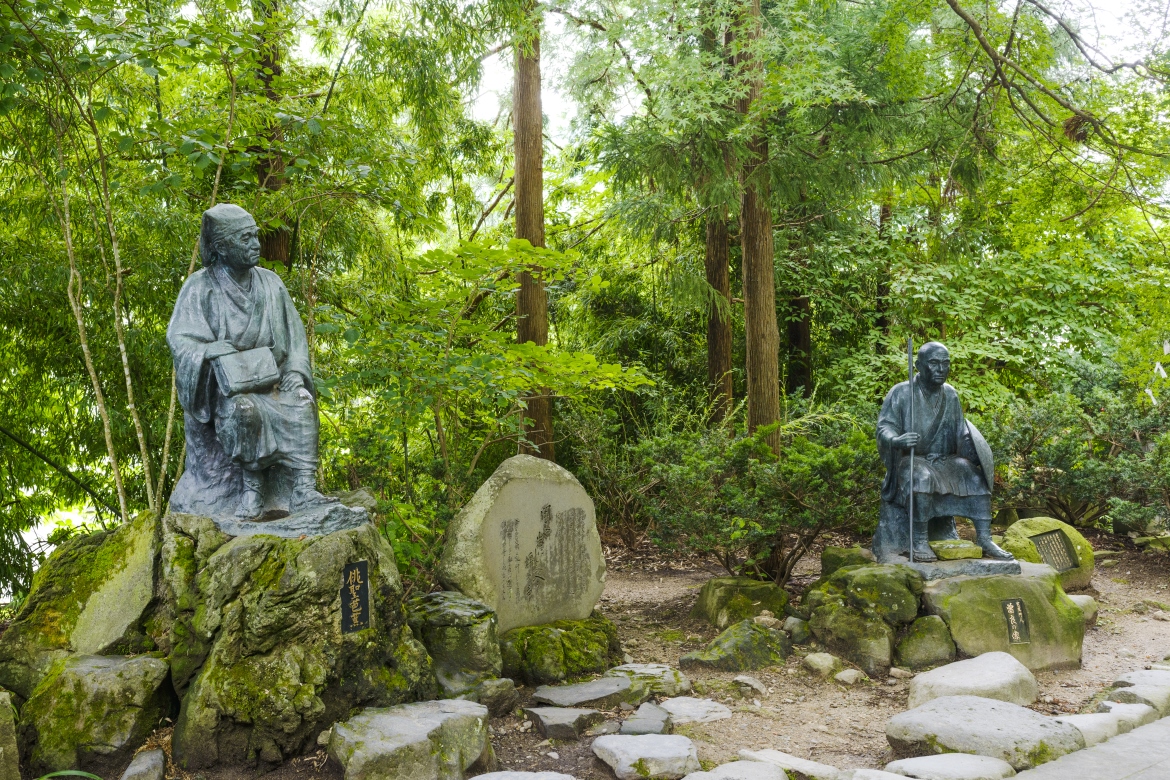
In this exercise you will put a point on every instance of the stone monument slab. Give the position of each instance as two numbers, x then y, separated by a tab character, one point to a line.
526	544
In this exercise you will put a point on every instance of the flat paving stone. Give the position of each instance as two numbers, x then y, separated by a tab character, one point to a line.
659	679
952	766
649	719
1156	696
1133	715
648	756
991	675
1143	677
605	693
686	709
1142	754
741	770
985	727
1096	727
562	722
801	766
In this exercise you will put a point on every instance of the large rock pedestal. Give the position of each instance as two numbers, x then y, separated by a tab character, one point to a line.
256	644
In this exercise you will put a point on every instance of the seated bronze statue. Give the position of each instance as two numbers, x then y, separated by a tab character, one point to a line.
244	382
953	467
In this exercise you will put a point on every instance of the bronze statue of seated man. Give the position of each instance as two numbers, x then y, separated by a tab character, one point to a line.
953	468
244	381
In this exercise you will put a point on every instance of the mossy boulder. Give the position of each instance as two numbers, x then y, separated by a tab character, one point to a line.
726	600
865	640
927	643
886	592
744	646
975	611
461	637
540	655
256	643
94	594
833	558
1019	541
91	712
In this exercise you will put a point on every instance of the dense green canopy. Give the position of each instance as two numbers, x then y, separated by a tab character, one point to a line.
981	174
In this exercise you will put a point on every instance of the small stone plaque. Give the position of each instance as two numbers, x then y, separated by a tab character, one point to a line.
355	597
1017	621
1055	550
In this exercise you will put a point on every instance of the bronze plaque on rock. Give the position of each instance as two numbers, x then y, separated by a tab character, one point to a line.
355	597
1017	621
1056	550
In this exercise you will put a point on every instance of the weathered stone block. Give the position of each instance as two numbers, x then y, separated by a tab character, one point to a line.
434	740
833	558
991	675
955	550
91	712
461	637
726	600
526	544
1020	541
866	641
94	594
648	756
567	648
974	611
604	693
659	679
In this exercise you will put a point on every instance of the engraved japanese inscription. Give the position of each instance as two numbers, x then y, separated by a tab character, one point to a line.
1055	550
1017	621
355	597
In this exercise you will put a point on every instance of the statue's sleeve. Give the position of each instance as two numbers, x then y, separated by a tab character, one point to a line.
298	342
188	335
889	425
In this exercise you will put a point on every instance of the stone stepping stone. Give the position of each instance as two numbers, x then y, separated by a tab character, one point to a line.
425	739
1096	727
1156	696
800	766
562	722
824	664
741	770
605	693
952	766
1131	716
992	676
649	719
647	756
985	727
686	709
524	776
1143	677
659	679
870	774
147	765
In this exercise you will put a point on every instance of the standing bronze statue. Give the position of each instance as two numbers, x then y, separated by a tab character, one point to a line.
244	382
953	466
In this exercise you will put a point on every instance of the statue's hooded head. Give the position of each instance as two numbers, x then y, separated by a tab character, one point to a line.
933	363
229	235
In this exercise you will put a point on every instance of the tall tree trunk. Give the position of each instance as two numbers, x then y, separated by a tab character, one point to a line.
719	378
759	285
275	245
531	298
799	346
883	283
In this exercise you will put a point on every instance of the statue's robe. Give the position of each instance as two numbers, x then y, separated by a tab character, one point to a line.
249	430
947	479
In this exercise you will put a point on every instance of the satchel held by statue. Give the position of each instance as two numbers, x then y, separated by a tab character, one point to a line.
250	371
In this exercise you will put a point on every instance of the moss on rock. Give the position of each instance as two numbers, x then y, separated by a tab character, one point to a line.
461	636
553	652
256	645
834	558
1018	541
726	600
94	594
866	640
742	647
927	643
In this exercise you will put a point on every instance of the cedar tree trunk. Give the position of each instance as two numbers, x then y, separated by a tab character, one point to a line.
719	377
